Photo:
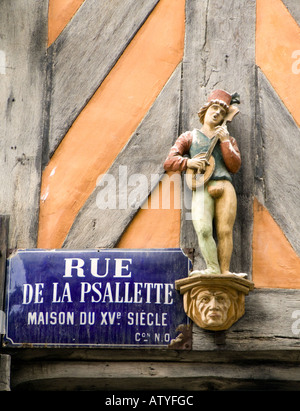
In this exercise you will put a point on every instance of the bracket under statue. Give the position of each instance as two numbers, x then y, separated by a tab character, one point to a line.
214	302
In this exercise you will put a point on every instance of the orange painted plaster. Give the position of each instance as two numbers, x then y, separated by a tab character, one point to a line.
59	14
109	119
277	38
156	227
275	263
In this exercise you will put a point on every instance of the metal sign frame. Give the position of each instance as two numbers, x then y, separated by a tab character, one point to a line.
94	298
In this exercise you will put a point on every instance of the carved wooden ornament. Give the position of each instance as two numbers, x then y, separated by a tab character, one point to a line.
214	302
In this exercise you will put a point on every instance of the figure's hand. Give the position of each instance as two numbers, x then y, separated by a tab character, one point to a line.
197	164
222	133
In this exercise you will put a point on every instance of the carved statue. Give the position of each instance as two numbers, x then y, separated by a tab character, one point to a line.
214	154
214	298
214	302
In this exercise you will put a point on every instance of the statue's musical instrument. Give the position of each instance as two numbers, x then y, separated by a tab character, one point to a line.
195	178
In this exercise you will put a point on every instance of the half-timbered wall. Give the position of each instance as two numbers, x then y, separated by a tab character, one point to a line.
97	90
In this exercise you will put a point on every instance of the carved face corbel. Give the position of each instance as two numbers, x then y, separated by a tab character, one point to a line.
214	302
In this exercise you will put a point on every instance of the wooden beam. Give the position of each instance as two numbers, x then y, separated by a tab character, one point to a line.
280	136
270	323
107	122
277	39
84	54
293	8
5	364
144	155
23	33
260	351
220	53
116	376
4	231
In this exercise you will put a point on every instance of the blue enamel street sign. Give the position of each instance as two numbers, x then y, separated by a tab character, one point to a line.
94	297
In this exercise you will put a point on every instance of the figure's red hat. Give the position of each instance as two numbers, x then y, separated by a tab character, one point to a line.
220	96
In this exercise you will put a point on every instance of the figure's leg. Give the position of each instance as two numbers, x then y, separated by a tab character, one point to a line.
225	213
202	215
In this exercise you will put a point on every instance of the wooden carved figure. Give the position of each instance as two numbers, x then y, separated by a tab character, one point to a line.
214	301
214	298
214	155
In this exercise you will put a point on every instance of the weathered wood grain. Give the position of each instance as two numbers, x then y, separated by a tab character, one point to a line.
23	34
270	323
260	351
5	372
116	376
153	354
85	52
220	53
144	155
294	8
280	137
4	230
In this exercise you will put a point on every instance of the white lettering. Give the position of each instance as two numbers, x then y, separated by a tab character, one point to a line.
66	295
119	292
296	64
78	267
149	319
119	267
31	318
168	293
87	318
94	267
117	299
131	401
137	293
170	400
158	287
122	187
162	337
295	329
51	318
27	293
106	198
95	289
138	195
85	289
108	294
148	287
38	292
105	292
54	299
126	294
